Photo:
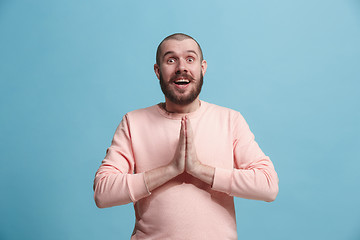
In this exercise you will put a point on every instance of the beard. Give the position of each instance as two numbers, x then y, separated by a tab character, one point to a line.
181	99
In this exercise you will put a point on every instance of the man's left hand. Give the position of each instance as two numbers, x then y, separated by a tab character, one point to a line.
192	164
191	160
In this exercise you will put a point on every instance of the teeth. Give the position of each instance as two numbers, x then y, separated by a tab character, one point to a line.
182	81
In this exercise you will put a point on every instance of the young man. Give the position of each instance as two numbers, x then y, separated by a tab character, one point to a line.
181	162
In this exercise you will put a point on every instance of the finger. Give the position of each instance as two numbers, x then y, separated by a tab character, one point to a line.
182	140
189	132
182	128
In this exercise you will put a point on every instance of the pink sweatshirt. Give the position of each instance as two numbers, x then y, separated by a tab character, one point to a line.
184	207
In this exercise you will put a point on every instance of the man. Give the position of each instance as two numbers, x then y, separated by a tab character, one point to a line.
182	161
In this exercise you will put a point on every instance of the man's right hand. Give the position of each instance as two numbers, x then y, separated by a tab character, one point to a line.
178	162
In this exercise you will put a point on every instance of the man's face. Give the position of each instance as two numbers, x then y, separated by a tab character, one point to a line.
181	71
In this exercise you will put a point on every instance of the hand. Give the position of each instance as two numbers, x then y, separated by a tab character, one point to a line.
178	162
192	162
185	158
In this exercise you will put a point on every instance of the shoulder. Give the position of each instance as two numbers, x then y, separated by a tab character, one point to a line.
221	111
142	111
225	116
142	114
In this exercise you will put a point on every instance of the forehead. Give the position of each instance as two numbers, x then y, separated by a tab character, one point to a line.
179	47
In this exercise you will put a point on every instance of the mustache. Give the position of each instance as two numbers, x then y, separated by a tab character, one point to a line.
181	75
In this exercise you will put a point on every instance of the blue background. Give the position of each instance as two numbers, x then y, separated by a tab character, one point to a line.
70	70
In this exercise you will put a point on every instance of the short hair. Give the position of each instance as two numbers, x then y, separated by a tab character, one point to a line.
178	37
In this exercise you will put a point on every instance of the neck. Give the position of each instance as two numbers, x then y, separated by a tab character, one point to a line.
176	108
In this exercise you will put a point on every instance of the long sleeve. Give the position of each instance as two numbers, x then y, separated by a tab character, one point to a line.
115	182
253	175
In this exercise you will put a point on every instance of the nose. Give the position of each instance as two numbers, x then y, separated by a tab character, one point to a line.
181	66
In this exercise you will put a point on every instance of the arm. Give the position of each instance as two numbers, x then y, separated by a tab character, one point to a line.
115	182
254	176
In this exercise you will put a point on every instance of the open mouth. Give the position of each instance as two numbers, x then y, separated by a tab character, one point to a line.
181	82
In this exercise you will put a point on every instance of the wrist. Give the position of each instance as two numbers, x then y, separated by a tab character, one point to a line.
195	169
203	172
173	169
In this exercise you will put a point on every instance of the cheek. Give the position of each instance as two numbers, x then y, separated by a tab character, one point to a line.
197	71
165	70
167	73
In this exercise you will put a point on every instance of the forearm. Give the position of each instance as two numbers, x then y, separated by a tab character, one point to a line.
112	188
258	183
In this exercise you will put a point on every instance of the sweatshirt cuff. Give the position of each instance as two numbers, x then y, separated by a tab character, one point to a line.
222	180
137	186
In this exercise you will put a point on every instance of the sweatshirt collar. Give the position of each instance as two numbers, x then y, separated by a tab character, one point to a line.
176	116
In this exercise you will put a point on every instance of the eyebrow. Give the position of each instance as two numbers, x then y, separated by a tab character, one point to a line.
171	52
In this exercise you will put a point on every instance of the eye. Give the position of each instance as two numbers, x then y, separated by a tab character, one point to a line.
190	59
171	60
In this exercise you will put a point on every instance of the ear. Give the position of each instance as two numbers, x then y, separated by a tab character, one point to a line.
157	70
203	67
